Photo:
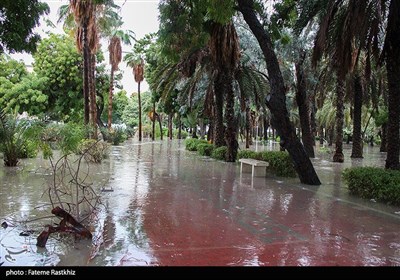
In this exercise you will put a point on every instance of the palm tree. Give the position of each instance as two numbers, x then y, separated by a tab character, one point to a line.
115	51
138	73
224	51
87	42
392	53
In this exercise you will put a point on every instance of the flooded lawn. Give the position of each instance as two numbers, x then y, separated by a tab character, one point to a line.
167	206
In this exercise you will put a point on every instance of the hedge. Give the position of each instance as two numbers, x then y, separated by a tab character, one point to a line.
205	149
192	143
374	183
219	153
280	162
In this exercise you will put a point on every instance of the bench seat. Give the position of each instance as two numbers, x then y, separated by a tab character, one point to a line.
257	168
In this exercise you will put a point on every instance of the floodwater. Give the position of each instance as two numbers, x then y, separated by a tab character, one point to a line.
165	206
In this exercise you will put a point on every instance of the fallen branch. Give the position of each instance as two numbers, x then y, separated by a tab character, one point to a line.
75	228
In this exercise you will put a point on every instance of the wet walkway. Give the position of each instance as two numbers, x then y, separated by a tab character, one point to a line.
171	207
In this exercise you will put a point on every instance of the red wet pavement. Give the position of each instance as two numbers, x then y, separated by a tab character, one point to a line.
200	212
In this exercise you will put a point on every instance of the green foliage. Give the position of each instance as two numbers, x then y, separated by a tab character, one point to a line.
18	19
219	153
280	163
29	149
374	183
94	151
116	136
66	137
71	135
18	138
381	118
205	149
120	102
249	154
192	143
58	60
20	91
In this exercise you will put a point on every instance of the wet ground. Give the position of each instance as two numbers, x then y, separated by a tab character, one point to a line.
171	207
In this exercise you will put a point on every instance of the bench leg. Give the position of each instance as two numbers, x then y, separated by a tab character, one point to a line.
245	168
259	171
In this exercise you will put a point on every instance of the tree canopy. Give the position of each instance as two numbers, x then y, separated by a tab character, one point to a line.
18	18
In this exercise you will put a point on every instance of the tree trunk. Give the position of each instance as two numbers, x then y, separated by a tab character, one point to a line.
383	138
153	123
210	131
140	113
99	111
92	95
179	127
357	149
304	111
86	70
338	156
110	99
247	126
393	76
170	115
331	135
230	132
219	128
321	135
265	126
276	101
161	130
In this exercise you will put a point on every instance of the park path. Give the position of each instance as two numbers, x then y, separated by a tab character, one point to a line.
171	207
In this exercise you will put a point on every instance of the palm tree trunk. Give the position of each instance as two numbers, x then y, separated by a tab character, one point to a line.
86	70
219	128
92	95
265	127
357	149
304	111
383	147
230	132
110	99
210	130
393	76
338	156
247	127
140	113
153	123
161	130
276	101
170	116
180	127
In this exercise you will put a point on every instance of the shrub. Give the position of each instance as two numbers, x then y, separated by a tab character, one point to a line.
18	138
205	149
93	150
219	153
116	136
280	163
28	149
192	143
374	183
249	154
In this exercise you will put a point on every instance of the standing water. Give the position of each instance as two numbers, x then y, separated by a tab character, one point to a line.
163	205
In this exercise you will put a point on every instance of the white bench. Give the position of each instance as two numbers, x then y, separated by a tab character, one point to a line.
258	168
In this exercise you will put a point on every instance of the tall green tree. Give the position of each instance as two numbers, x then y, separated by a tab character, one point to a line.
58	60
18	19
392	54
21	91
276	101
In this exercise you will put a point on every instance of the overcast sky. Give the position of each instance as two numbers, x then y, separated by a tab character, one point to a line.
139	16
